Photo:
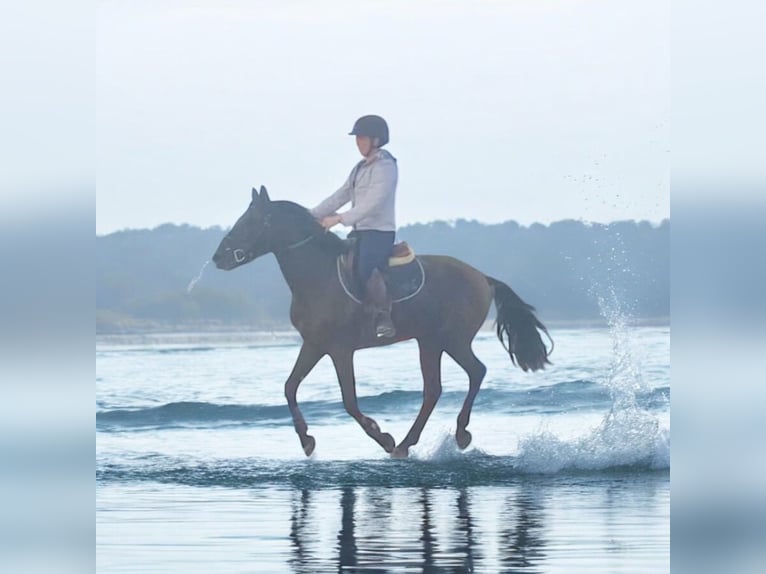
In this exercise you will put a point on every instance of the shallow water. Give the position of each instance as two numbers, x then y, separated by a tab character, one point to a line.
199	469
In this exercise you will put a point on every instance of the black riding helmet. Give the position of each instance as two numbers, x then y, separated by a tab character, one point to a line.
373	127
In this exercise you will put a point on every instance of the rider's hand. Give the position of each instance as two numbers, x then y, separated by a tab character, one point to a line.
330	221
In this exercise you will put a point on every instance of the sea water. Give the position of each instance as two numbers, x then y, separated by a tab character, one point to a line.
198	467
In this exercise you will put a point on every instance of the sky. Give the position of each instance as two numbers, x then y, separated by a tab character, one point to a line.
499	110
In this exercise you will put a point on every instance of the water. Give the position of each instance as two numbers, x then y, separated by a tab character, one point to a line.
194	281
199	469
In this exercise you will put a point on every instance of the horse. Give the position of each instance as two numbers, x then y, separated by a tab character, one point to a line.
443	317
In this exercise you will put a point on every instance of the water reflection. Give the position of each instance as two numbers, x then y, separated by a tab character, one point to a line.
523	537
347	547
416	530
428	538
465	526
298	531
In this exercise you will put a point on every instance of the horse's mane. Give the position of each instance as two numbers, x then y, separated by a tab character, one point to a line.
302	219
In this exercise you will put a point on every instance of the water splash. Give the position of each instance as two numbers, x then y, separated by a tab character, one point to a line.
628	435
443	448
624	379
624	439
194	281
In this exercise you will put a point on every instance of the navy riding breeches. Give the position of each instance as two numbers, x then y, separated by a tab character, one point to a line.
373	248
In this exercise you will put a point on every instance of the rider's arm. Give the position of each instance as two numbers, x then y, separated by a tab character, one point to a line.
335	201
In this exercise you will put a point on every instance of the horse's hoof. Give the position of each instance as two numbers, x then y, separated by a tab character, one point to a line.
387	442
400	452
308	444
463	439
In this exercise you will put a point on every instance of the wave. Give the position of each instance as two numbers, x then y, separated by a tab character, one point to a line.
184	414
559	398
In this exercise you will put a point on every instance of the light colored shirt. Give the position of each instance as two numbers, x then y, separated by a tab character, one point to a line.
371	189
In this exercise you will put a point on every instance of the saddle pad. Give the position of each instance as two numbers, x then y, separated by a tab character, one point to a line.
404	281
401	254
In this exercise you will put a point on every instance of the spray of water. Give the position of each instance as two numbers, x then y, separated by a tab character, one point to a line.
194	281
627	435
443	448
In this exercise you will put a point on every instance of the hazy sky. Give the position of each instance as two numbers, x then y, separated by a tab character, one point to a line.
523	110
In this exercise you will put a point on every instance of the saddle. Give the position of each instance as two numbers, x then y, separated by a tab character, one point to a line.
404	277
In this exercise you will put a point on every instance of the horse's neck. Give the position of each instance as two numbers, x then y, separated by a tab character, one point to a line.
306	268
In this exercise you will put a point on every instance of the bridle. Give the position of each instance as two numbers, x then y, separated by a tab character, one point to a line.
240	255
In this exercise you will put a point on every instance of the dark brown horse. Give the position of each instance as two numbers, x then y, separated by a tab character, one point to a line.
443	317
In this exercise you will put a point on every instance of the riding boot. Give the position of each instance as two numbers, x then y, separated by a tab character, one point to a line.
378	299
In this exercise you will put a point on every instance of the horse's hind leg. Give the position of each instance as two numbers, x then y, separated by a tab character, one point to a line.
344	367
430	365
476	370
307	359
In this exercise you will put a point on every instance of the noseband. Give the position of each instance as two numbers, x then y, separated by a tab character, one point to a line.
239	255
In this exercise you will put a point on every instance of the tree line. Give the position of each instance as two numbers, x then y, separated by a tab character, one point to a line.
567	270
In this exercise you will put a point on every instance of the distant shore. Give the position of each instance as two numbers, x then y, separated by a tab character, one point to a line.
191	334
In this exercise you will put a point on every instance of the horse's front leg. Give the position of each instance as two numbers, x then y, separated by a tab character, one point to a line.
430	365
344	367
307	359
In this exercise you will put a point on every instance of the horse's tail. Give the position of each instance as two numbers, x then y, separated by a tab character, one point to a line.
517	322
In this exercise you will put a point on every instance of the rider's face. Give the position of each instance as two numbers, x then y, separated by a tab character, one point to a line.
364	144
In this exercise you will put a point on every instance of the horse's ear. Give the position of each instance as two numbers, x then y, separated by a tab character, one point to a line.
264	194
255	194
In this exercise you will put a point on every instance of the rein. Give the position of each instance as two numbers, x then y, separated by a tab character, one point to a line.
302	242
299	243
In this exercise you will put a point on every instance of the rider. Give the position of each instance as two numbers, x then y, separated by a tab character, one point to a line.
371	189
